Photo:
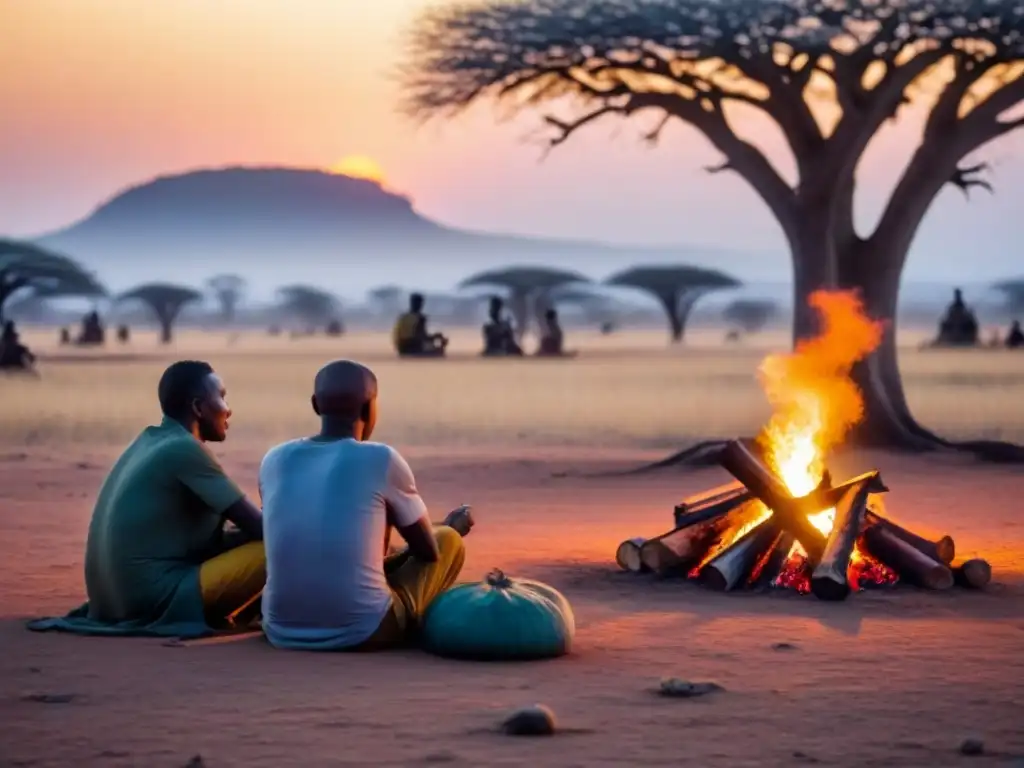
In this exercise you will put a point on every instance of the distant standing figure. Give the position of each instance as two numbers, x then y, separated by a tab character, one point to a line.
499	335
552	342
14	356
123	334
959	326
1015	338
410	335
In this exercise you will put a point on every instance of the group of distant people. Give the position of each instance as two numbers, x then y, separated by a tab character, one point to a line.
959	328
412	338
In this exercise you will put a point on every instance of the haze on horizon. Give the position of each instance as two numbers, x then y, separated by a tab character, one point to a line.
141	90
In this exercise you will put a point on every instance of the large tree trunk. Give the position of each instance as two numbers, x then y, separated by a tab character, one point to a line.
519	308
669	301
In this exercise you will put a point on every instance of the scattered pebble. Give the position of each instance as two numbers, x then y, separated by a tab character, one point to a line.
684	689
195	762
537	720
783	647
804	757
972	747
50	698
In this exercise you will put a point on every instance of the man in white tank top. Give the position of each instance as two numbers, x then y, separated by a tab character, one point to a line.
329	503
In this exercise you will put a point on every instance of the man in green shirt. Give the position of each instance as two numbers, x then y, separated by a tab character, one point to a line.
158	560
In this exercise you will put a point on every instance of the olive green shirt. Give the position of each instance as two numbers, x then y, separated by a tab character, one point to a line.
159	515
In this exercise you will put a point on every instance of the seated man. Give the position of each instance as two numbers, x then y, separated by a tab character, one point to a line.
14	355
158	560
499	336
959	326
552	340
329	503
1015	338
410	335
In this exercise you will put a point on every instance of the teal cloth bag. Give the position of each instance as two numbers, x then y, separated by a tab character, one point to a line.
499	619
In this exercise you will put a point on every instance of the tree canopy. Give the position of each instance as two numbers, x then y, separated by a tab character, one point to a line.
750	315
166	300
29	270
1013	294
676	287
309	304
228	289
524	286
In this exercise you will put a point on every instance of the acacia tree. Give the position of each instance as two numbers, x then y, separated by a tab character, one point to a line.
30	271
525	286
1013	294
677	289
165	300
228	290
312	306
750	315
691	60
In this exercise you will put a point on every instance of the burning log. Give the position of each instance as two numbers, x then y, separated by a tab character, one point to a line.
911	564
726	496
772	564
828	579
791	515
973	574
682	548
730	568
942	550
628	555
826	495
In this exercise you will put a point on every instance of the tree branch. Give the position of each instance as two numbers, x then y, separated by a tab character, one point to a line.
965	178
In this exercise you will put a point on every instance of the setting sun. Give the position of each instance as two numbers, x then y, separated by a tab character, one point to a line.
359	167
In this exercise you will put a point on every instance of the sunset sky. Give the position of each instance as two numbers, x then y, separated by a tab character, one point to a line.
102	94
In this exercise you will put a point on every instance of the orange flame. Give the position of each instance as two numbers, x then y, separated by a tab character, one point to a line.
814	401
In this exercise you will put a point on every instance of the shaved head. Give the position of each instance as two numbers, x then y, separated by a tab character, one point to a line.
343	389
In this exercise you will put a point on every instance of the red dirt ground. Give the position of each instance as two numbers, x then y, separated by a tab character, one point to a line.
887	678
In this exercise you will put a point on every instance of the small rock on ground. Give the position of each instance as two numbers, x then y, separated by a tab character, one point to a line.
537	720
972	747
684	689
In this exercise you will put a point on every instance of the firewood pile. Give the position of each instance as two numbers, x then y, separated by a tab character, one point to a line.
752	534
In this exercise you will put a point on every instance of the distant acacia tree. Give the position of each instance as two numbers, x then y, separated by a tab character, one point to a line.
28	271
166	301
525	285
1013	294
388	298
750	315
228	290
830	74
310	305
676	287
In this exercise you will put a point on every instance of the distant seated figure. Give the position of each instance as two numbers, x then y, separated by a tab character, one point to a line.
499	336
552	340
65	336
334	328
92	332
959	326
14	356
410	335
159	560
1015	338
123	334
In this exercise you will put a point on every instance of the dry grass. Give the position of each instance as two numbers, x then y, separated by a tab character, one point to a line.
627	390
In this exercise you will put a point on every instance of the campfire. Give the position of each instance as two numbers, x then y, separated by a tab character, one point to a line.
783	523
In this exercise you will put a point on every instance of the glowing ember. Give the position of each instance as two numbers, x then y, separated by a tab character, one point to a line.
815	403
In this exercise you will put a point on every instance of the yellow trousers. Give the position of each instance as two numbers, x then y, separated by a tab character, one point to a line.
232	581
414	586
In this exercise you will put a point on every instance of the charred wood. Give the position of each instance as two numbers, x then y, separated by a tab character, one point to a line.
628	555
749	468
942	550
912	565
772	564
829	579
973	574
732	567
683	547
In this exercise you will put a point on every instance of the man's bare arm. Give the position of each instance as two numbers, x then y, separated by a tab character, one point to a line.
420	538
247	518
